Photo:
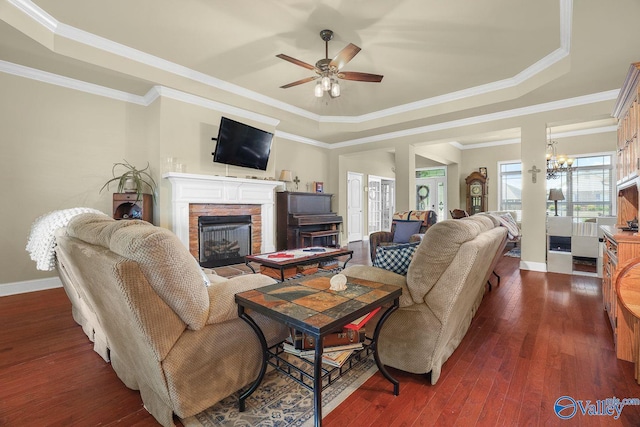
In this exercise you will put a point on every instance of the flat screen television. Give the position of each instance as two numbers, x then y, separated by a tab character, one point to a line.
242	145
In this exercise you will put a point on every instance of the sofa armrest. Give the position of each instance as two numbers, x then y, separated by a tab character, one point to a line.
381	275
222	303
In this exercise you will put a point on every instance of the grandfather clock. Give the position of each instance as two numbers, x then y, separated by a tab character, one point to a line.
476	193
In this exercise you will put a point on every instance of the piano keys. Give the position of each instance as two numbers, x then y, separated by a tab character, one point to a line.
305	219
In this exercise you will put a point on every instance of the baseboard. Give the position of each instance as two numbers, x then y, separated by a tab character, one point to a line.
7	289
533	266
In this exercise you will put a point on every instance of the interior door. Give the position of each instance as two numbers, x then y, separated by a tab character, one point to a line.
354	206
374	206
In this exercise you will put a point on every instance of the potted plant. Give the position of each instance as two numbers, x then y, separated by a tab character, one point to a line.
132	180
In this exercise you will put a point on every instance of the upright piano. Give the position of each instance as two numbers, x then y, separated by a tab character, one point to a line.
305	219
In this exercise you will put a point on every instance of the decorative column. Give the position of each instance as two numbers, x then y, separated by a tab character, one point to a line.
534	203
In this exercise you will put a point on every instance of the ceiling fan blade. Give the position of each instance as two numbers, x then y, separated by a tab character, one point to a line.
299	82
296	61
360	77
344	56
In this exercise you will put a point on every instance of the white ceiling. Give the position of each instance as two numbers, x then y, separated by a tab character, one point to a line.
441	60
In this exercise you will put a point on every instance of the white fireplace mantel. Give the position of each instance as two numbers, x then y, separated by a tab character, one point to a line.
189	188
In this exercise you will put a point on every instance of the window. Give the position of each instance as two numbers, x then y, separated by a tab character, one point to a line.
587	188
510	191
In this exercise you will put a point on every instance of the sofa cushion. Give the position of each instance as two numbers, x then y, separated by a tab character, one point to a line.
395	258
439	246
404	230
95	229
222	295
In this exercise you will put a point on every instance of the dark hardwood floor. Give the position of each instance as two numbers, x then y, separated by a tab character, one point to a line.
536	337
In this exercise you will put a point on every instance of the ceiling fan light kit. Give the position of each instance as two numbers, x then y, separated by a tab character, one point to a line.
329	70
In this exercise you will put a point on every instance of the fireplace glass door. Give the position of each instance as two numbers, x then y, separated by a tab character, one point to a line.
223	240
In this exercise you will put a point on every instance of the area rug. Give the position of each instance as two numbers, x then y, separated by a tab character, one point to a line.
513	253
281	402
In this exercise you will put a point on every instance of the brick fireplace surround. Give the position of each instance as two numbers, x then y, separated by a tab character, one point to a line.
208	195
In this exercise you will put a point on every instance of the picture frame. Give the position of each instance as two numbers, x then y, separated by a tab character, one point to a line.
318	187
483	171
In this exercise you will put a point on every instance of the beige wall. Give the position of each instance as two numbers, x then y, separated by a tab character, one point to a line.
59	146
309	163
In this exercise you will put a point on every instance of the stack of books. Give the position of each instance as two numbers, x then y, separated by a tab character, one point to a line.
332	356
338	347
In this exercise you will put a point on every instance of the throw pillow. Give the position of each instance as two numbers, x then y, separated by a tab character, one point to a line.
395	258
404	230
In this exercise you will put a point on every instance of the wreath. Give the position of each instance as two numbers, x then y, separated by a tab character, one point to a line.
423	192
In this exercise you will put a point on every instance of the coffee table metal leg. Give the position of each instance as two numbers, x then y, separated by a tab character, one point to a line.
317	385
263	342
248	264
381	367
348	259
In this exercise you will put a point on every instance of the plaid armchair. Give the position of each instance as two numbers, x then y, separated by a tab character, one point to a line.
385	238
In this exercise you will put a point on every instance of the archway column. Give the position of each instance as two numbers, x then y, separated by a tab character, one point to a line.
533	145
405	177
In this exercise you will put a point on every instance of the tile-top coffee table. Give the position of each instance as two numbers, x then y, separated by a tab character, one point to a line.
294	257
308	305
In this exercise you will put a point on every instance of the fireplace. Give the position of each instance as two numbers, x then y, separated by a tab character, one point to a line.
193	196
223	240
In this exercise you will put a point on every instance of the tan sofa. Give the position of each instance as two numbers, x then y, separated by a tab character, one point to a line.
142	298
443	288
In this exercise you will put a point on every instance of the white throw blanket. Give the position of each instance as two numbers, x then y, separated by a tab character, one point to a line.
42	241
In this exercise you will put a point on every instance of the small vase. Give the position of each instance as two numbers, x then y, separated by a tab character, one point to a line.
130	186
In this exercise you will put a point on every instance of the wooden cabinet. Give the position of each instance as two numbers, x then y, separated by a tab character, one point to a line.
627	111
476	193
126	206
620	248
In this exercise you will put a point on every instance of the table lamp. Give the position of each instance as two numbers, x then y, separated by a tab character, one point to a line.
555	194
285	175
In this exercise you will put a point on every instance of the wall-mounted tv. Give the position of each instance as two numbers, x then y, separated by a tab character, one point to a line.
242	145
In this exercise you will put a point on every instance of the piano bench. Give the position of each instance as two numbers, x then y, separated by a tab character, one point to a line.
311	235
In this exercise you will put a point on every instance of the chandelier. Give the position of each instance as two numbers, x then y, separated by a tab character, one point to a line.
556	163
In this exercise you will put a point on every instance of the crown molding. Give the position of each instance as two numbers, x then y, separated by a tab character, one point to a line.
49	22
212	105
500	115
301	139
161	91
592	131
36	13
67	82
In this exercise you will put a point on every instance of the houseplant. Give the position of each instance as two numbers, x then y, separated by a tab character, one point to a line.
132	180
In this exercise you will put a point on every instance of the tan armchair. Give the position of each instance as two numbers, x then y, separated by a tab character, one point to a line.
442	290
385	238
169	330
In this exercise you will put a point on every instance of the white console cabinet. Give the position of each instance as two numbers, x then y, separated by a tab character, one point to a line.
568	241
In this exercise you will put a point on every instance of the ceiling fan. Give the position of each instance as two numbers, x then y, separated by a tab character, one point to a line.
330	70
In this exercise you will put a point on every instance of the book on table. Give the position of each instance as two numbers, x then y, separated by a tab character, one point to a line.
333	356
357	324
302	341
